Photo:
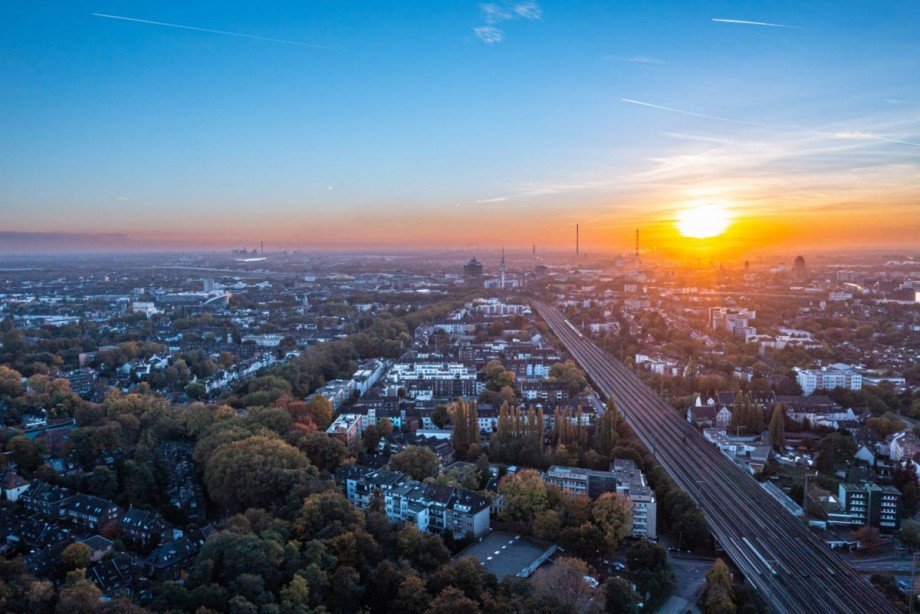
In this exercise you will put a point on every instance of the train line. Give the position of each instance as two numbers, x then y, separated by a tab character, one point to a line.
777	553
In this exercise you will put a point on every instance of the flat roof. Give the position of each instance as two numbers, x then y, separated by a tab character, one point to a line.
507	554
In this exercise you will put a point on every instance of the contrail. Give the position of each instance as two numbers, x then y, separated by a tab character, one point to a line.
673	110
756	23
839	135
210	31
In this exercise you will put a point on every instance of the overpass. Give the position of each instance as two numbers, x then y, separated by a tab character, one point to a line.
778	554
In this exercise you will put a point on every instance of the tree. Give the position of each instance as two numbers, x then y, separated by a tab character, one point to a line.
834	449
76	556
910	533
425	552
413	598
196	391
778	427
525	495
465	420
868	537
612	513
251	472
568	373
564	581
452	601
28	454
417	462
605	433
320	408
103	482
10	382
325	452
326	514
649	563
81	596
620	597
718	594
440	416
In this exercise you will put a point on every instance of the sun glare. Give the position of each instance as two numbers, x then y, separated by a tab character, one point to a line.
703	220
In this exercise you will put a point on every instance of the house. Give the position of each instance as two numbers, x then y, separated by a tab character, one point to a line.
45	499
145	528
116	575
13	486
168	561
99	547
89	511
713	412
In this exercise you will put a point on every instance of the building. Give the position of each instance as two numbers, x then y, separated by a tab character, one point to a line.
507	554
361	483
13	486
425	380
827	378
337	392
89	511
435	508
145	528
872	505
367	375
347	427
623	478
735	320
472	273
45	499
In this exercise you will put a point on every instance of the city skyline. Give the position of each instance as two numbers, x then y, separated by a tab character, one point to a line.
415	126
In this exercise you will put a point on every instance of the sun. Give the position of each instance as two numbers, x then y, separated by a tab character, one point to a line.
703	220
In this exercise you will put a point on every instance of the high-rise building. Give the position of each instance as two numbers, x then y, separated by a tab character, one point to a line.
472	272
501	271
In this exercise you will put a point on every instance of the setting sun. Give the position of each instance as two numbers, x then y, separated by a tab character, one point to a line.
703	220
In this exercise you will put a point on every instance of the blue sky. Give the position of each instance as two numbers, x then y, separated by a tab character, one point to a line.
405	109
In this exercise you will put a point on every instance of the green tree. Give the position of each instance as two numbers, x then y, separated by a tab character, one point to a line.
28	454
325	452
251	472
778	427
417	462
910	533
620	597
525	495
76	556
605	433
103	482
568	373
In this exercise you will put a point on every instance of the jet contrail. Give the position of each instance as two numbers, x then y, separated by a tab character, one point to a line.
673	110
839	135
756	23
210	31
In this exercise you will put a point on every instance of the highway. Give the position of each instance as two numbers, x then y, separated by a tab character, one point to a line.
777	553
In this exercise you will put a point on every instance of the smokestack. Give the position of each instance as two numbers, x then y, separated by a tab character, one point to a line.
576	239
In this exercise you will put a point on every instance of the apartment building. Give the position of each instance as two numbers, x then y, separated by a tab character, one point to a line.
827	378
872	505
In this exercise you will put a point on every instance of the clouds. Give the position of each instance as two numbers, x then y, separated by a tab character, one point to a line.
494	14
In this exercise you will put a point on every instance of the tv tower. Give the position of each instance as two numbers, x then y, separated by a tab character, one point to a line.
576	239
501	270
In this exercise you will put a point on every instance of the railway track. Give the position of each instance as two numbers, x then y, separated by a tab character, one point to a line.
778	554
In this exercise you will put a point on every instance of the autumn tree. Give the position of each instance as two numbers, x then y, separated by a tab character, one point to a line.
620	598
612	513
718	594
564	581
320	409
465	420
569	374
10	382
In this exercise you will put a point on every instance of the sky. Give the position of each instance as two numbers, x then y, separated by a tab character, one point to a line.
339	124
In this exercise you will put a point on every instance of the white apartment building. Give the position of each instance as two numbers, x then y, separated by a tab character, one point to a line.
827	378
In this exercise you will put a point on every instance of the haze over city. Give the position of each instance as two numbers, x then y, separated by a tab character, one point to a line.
431	124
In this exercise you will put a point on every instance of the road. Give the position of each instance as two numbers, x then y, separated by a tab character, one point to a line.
790	566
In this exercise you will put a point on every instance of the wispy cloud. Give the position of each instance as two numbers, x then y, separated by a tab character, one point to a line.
496	13
634	59
842	134
744	22
122	198
497	199
691	113
212	31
